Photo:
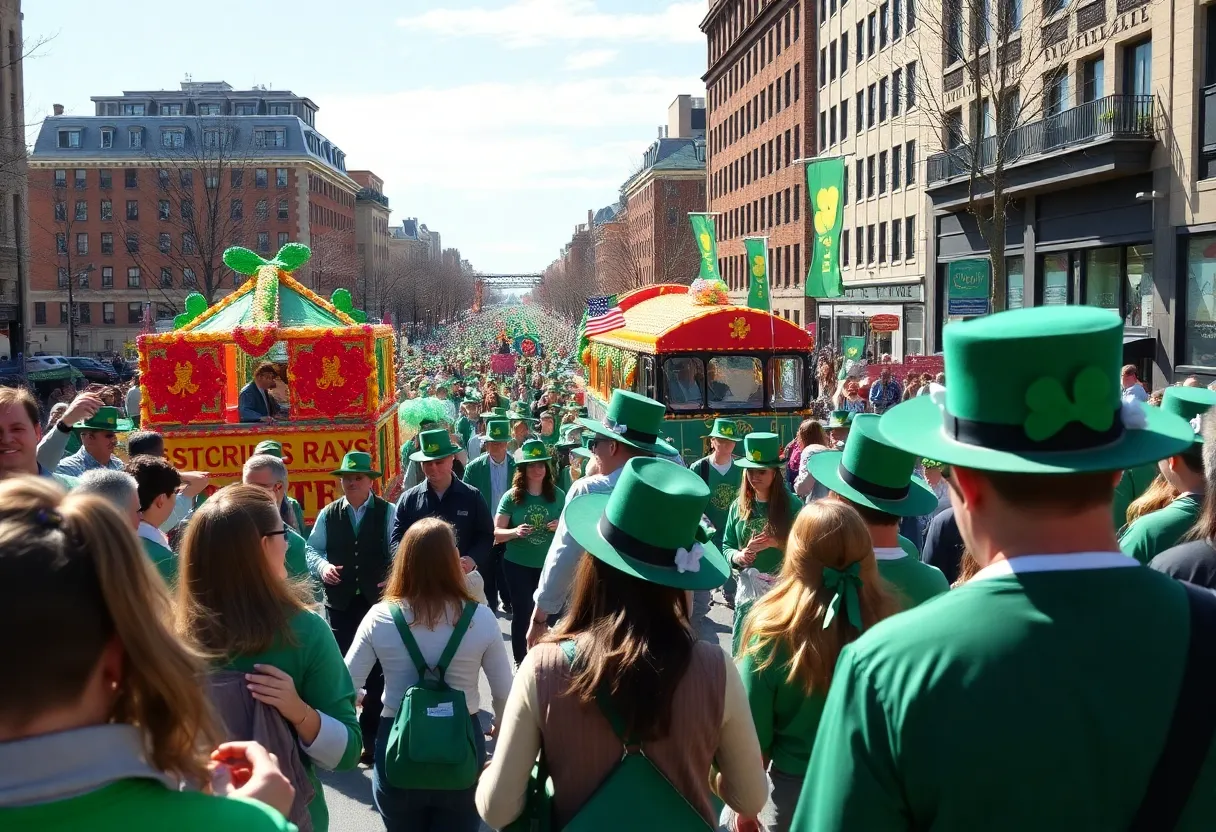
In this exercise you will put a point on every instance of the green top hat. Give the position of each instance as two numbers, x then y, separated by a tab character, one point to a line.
105	419
726	429
496	413
873	473
840	419
519	413
533	450
633	420
584	450
649	526
1191	403
498	430
1036	391
358	462
270	447
761	450
568	439
436	445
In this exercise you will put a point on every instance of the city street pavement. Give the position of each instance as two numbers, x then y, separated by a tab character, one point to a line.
349	793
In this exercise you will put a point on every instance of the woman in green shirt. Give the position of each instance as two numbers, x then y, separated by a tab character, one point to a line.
235	599
102	718
526	519
758	521
827	592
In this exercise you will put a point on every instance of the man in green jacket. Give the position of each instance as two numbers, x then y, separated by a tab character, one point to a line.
158	483
491	474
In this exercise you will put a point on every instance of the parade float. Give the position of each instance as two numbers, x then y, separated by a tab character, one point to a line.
703	357
340	386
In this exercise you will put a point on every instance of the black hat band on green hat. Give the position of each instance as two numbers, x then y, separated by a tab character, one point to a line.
626	432
873	489
1073	436
630	546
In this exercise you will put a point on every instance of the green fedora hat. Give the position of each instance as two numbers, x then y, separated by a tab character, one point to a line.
726	429
568	440
496	413
533	450
761	450
105	419
498	430
270	447
1035	391
649	526
436	445
584	449
840	419
872	472
356	462
633	420
520	413
1190	403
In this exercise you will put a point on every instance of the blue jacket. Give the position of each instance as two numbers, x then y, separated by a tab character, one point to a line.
252	404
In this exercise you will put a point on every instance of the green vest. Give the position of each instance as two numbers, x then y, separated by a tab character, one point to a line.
163	559
363	556
1162	529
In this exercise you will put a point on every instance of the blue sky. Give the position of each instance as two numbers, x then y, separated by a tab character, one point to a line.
496	122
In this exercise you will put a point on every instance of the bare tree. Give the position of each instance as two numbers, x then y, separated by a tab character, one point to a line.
988	82
334	263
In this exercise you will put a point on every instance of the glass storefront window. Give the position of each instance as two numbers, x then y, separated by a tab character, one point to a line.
914	330
786	378
1200	347
735	383
1139	286
684	379
1015	282
1055	279
1102	277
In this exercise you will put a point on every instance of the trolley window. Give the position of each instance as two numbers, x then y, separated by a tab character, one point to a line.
735	382
785	376
684	379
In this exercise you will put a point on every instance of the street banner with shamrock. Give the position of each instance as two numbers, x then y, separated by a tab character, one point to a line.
707	244
853	349
757	272
824	187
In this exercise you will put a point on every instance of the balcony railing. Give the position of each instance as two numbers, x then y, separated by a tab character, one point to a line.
1115	116
372	195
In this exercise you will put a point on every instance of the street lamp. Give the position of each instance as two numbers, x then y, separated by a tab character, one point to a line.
72	308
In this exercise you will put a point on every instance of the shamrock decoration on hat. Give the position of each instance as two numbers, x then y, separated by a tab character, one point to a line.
498	430
436	445
633	420
533	450
726	429
872	472
761	450
356	462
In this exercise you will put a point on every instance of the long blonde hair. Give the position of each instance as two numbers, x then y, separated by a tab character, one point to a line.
426	573
788	621
228	600
1158	495
73	579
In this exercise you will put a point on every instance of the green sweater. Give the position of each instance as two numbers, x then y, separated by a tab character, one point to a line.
738	531
163	559
914	581
1157	531
786	716
1078	696
723	489
315	664
142	805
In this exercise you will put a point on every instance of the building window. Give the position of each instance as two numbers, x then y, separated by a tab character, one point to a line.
166	277
69	139
263	241
910	238
107	313
245	109
897	227
175	139
1015	282
187	209
832	61
132	209
105	179
162	178
84	313
861	172
185	178
107	274
208	109
882	172
869	245
861	110
82	210
61	212
82	243
280	177
131	177
212	181
40	312
236	210
844	119
1092	81
871	104
910	72
135	138
897	80
882	242
1055	91
871	32
82	179
884	24
1138	267
188	279
1057	278
107	138
133	281
164	242
188	246
61	178
135	313
107	243
1138	68
282	238
823	66
62	277
282	209
107	209
262	209
259	178
882	99
270	138
280	109
870	177
63	313
162	209
132	244
860	245
61	244
910	163
832	127
237	178
844	247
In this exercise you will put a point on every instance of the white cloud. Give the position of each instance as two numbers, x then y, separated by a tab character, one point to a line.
591	59
533	22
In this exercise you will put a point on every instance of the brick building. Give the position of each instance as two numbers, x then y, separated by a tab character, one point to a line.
761	119
133	205
658	200
14	231
371	238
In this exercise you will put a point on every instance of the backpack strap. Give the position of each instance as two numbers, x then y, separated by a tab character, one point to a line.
411	644
1190	733
703	470
462	627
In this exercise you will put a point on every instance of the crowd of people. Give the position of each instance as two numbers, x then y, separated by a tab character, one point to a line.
941	612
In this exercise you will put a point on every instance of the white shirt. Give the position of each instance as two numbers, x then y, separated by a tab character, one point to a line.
482	648
499	481
557	575
150	532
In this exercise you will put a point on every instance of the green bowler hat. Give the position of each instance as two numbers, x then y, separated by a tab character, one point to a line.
1190	403
725	429
520	413
533	450
1036	391
650	526
106	418
633	420
872	472
270	447
496	413
761	450
840	419
436	445
584	450
498	430
356	462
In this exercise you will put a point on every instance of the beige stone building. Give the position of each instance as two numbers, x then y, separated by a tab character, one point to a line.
371	240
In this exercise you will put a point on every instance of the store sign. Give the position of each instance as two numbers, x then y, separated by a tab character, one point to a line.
968	283
884	323
914	292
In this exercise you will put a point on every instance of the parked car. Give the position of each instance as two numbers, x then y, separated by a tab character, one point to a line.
93	370
45	362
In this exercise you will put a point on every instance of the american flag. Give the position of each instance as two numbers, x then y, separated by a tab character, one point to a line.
603	315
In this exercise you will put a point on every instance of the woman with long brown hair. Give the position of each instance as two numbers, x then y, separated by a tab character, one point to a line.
814	439
102	716
624	671
828	592
525	522
426	588
235	600
758	522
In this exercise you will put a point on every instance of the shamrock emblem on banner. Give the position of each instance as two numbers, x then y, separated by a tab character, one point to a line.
184	382
329	376
827	201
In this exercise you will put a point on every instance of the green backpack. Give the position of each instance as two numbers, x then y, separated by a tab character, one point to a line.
432	744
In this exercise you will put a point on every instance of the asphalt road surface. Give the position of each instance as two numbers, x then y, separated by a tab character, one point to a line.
349	793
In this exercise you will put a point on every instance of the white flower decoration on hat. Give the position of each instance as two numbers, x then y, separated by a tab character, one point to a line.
620	430
689	560
1133	416
937	394
1197	423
